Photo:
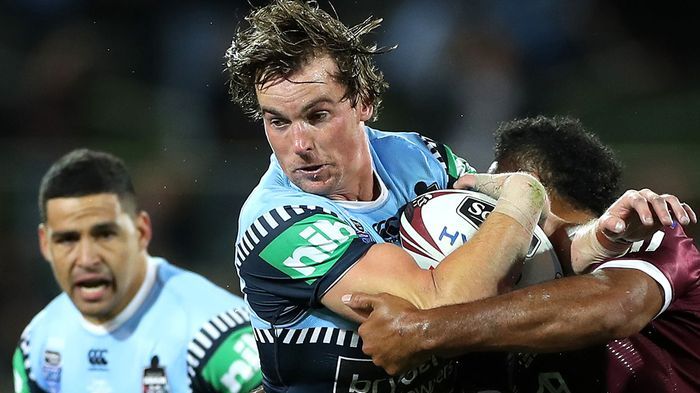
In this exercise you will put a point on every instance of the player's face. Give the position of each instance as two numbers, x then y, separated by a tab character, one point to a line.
97	252
317	137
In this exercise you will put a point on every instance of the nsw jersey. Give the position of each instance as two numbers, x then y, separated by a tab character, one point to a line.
292	247
663	357
180	333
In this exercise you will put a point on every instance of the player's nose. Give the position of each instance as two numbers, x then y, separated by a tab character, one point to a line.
302	138
87	253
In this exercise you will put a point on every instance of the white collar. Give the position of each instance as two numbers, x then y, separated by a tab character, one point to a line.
368	205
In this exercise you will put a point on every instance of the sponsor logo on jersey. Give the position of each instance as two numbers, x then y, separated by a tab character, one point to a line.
362	376
154	378
51	369
97	357
421	188
388	229
361	233
99	386
309	248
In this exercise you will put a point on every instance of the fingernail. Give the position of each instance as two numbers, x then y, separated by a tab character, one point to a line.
619	227
685	220
648	220
346	298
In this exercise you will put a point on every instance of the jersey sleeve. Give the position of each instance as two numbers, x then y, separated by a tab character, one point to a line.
222	357
21	368
453	165
291	256
669	257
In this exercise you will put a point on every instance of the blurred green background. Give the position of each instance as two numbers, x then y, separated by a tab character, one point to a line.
144	80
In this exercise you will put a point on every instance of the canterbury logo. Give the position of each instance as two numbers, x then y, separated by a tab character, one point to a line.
96	357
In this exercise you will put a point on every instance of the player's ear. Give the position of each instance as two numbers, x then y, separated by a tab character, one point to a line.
143	226
43	233
365	110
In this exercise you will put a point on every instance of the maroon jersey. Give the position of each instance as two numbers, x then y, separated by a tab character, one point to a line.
663	357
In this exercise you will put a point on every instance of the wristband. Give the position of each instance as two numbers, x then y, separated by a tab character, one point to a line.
522	199
591	245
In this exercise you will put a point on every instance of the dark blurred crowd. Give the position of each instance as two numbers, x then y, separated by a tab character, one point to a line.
143	79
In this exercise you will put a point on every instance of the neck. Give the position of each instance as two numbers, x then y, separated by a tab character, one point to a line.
367	190
133	289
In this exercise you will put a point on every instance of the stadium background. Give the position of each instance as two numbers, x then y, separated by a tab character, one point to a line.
144	80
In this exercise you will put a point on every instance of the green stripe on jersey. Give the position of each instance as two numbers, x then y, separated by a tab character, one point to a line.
456	166
235	366
310	247
20	373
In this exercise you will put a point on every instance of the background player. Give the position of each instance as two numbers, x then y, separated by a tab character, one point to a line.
645	305
126	321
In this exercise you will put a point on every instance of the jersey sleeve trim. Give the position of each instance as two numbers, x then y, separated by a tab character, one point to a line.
648	268
453	165
207	340
22	371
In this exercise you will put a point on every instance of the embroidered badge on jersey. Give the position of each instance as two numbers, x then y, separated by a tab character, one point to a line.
154	378
51	368
361	232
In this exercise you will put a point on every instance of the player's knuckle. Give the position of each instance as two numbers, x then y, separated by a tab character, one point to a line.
671	199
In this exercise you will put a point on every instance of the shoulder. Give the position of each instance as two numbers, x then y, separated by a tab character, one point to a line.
399	140
276	205
402	145
195	295
59	312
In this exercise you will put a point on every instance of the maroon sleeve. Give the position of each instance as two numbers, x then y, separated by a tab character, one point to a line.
669	257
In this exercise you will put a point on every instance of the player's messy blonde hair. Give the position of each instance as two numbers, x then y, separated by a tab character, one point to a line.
283	36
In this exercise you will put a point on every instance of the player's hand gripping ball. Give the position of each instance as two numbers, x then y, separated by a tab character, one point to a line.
436	223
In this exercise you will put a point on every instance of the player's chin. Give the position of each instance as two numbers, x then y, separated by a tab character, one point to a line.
95	311
314	186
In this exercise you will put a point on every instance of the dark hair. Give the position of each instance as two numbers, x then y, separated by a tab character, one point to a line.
85	172
570	161
283	36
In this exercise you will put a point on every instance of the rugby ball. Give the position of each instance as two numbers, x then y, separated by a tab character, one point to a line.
436	223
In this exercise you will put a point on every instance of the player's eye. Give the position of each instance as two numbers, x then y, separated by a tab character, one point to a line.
318	117
66	238
105	234
278	123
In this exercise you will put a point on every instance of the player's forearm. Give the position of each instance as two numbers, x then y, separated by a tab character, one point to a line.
482	266
559	315
489	261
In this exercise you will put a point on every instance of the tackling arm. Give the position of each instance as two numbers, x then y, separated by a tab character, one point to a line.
564	314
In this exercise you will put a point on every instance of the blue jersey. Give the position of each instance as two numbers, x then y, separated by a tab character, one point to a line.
180	333
293	246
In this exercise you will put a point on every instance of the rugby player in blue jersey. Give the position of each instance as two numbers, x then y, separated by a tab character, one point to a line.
126	321
323	221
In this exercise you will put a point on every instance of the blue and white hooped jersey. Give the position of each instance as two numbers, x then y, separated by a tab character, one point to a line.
180	333
292	247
